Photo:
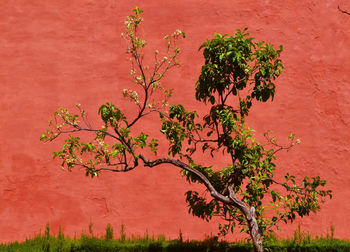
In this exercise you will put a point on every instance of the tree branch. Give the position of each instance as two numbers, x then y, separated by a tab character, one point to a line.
88	129
214	193
296	190
343	11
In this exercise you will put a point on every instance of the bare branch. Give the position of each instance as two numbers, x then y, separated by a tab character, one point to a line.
126	168
214	193
343	11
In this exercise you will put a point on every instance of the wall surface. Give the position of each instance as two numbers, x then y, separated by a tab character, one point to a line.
58	53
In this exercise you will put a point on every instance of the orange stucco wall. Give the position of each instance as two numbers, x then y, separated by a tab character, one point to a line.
58	53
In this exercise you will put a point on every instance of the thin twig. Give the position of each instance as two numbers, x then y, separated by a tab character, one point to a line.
343	11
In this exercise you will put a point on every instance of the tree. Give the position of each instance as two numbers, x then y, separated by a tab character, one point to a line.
237	72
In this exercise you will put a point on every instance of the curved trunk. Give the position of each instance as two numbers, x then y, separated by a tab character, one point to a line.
255	232
249	213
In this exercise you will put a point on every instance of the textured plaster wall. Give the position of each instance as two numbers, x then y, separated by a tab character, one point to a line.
58	53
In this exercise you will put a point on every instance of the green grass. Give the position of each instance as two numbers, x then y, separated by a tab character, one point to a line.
301	241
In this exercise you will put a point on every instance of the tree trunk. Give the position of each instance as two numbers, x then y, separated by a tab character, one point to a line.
255	232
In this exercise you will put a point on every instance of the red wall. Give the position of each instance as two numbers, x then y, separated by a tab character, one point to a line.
58	53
